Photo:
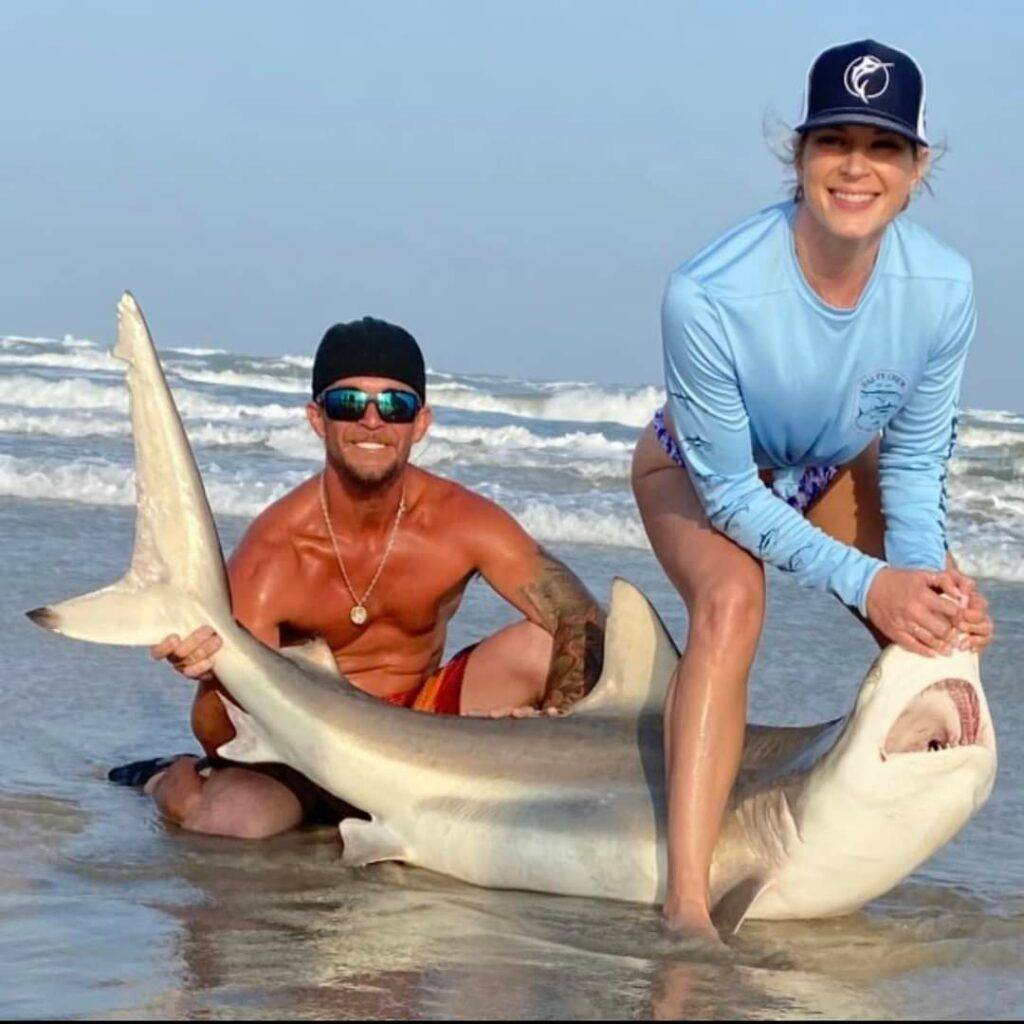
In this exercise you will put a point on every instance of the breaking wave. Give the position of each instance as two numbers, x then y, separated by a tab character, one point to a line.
556	454
632	407
241	493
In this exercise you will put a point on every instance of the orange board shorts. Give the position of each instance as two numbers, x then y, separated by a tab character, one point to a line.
441	692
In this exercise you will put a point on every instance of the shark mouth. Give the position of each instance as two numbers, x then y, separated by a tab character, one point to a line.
946	714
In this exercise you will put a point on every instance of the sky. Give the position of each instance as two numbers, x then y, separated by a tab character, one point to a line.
511	181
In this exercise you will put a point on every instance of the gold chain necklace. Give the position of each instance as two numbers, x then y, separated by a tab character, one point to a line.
358	613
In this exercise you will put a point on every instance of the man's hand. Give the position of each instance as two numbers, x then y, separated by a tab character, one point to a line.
916	608
529	711
193	656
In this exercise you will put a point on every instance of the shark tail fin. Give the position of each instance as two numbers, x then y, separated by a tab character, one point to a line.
176	580
639	658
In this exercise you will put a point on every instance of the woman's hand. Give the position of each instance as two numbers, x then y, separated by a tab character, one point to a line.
193	656
916	608
975	626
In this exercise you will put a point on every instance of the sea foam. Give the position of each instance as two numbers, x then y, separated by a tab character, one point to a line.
555	454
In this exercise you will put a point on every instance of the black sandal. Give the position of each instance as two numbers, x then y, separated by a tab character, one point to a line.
138	773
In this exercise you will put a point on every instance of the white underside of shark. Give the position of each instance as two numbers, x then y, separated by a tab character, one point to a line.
822	819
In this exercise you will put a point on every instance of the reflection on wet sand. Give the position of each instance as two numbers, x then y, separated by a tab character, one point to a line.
682	990
32	826
389	941
106	912
183	926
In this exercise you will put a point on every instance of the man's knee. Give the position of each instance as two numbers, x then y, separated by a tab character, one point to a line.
178	790
532	643
522	648
508	669
242	804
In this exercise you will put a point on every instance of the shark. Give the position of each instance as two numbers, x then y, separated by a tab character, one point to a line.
822	819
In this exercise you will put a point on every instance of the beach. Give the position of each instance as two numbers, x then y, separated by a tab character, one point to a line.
107	911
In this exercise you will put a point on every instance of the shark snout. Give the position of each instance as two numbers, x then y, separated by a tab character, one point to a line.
923	713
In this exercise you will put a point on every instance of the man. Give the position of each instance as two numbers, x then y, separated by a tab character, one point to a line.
373	555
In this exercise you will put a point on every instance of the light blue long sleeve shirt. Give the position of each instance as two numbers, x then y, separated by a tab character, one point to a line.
762	373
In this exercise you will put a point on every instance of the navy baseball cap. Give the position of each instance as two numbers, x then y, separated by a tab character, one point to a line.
865	83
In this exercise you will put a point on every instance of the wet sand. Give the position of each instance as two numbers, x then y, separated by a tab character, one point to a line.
106	911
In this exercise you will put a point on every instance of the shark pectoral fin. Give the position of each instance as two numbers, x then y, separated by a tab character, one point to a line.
732	909
315	654
367	842
249	746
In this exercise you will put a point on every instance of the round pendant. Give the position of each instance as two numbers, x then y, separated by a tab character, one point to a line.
358	614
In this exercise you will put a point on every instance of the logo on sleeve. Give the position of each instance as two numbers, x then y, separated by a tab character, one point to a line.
867	77
879	398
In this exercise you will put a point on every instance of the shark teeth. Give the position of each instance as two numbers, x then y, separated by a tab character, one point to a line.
965	698
944	715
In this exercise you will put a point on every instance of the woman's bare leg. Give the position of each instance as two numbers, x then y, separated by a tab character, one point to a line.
851	512
723	587
705	713
851	509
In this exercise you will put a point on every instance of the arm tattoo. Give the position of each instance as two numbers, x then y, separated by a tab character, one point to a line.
576	623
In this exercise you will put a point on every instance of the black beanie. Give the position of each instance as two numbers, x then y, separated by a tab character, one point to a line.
369	348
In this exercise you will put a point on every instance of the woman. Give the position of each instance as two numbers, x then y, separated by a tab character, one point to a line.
813	358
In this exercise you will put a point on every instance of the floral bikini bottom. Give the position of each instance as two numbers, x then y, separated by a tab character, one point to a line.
813	482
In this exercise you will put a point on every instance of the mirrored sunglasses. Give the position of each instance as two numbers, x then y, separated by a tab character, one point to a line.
349	404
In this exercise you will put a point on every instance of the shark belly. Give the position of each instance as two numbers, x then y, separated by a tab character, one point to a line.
564	843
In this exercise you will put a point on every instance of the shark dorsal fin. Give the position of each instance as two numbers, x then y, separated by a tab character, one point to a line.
639	658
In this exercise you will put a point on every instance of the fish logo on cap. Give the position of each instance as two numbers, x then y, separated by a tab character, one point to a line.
866	77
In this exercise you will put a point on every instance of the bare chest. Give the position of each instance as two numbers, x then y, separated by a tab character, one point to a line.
405	602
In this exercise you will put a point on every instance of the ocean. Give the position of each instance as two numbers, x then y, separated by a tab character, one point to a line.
106	911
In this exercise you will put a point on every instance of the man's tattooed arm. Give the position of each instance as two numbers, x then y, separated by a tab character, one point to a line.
576	623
